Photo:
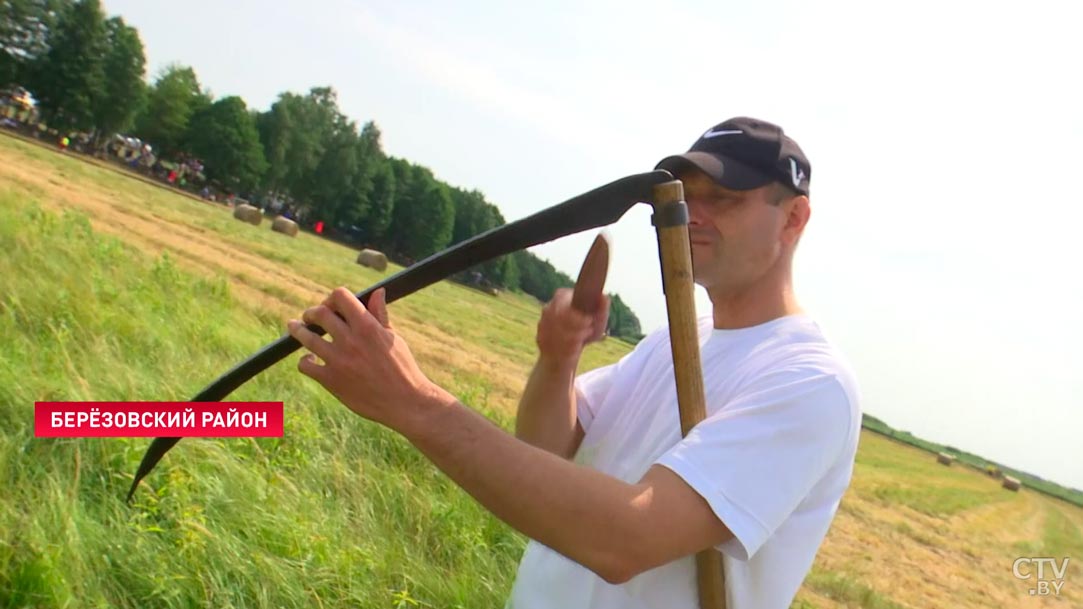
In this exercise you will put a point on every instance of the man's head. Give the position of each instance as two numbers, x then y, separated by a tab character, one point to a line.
746	184
744	153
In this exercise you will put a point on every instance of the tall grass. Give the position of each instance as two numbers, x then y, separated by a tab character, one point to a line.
337	512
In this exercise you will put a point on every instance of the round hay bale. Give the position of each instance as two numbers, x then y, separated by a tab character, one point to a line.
249	214
285	226
944	458
373	260
1012	484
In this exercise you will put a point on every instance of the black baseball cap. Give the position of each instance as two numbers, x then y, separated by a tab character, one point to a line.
744	153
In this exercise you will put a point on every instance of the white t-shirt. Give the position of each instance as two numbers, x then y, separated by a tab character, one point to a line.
772	458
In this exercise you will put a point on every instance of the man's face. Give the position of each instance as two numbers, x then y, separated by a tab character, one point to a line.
737	236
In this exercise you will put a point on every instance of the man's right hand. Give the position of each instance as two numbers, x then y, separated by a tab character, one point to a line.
563	330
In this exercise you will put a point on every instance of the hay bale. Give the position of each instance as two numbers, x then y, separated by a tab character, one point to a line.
373	260
285	226
1012	484
944	459
249	214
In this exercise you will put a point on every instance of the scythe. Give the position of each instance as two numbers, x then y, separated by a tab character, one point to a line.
596	208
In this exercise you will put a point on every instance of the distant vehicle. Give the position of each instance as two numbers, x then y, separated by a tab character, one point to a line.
128	148
18	96
17	104
352	234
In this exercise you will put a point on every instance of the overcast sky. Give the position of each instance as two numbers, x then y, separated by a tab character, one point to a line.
944	139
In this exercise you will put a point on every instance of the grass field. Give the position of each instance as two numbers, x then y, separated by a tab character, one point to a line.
1053	489
117	290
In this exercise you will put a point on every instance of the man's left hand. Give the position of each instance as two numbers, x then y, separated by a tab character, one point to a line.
365	364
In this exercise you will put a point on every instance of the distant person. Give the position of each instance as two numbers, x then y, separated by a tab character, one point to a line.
597	472
65	141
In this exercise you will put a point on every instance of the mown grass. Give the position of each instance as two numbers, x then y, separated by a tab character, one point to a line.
1071	495
847	591
337	512
1060	537
920	482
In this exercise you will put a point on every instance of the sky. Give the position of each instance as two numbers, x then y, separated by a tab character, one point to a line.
944	138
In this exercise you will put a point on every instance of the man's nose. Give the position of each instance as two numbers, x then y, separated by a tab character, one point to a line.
696	215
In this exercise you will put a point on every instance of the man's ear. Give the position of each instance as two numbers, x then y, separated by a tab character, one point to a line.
797	212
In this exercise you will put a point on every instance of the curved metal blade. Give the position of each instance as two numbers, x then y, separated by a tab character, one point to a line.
599	207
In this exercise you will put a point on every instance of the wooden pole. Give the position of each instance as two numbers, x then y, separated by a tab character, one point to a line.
671	223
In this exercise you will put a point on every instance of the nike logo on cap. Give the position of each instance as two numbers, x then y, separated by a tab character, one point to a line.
712	133
796	173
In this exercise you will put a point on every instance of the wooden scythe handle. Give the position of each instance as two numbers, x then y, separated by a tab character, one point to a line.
671	223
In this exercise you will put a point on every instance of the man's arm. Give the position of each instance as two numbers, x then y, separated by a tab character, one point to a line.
547	416
615	529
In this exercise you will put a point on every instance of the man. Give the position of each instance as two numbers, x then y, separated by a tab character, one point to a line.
759	479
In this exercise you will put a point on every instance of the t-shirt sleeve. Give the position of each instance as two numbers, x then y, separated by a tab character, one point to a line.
592	388
756	459
590	391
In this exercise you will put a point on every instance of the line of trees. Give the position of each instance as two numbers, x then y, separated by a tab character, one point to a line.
86	72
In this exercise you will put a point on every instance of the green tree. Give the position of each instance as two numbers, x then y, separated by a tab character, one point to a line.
123	71
538	277
503	272
25	29
623	322
171	102
223	135
340	187
296	133
68	81
291	147
275	130
424	214
381	201
371	179
472	215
